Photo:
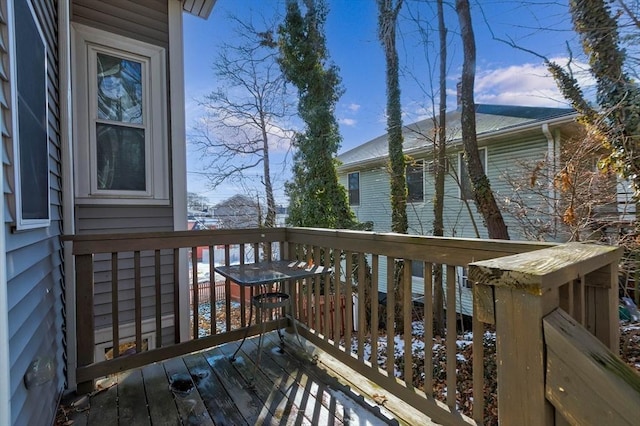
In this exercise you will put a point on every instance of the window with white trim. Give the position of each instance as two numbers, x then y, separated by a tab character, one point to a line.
354	188
466	188
415	182
30	118
121	138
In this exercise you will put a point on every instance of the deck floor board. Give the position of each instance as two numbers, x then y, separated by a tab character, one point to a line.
288	390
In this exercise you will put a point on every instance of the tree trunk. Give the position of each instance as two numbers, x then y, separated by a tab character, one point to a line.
270	217
440	160
485	201
387	18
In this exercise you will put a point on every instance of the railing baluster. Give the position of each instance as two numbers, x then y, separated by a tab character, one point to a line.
115	320
348	289
195	285
317	261
243	302
375	307
451	337
478	369
337	299
428	329
579	303
158	294
407	312
227	289
176	295
138	299
362	306
326	261
213	329
391	310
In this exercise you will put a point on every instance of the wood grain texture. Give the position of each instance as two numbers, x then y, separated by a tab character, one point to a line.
586	382
538	270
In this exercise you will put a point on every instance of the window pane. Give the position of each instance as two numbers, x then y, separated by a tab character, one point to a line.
121	158
119	89
32	115
354	189
415	182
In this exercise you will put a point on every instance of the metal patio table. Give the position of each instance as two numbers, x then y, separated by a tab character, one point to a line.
269	277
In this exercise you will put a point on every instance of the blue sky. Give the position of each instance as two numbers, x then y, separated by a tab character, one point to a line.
504	75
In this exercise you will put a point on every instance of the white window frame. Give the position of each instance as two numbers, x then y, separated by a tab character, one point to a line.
87	43
417	164
460	161
20	222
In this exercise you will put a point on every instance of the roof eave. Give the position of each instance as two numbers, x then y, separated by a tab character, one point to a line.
200	8
564	119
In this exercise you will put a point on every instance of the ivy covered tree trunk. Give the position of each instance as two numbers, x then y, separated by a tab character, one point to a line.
387	19
618	96
440	161
316	197
485	201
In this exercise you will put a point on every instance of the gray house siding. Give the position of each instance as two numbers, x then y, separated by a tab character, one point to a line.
147	21
34	257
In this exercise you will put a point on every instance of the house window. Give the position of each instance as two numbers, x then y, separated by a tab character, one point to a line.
121	142
466	189
354	189
415	182
417	268
30	121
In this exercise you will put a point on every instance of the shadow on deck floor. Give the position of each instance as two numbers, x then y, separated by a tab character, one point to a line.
215	391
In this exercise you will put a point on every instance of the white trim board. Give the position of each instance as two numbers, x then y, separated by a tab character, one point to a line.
179	152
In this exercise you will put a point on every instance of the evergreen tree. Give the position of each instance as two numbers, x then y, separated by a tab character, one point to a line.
316	197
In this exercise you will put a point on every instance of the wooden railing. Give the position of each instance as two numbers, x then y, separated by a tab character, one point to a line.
556	318
363	264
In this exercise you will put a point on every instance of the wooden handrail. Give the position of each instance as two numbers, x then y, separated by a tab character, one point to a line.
515	285
585	381
516	292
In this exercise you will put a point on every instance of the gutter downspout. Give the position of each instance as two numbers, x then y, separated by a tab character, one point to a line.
552	155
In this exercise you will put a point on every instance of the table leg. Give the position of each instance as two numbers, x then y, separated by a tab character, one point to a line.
246	332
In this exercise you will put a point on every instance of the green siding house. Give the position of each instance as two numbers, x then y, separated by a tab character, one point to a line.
508	138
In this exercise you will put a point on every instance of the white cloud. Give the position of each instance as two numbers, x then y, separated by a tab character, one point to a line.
354	107
348	121
525	84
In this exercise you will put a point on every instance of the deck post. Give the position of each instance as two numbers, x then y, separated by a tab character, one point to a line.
84	315
520	356
526	288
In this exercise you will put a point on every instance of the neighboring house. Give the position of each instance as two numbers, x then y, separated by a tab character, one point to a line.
92	116
238	211
508	137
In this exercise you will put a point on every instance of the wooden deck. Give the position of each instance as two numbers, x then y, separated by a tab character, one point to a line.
288	390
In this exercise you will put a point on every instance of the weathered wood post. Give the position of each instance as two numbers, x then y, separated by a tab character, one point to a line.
85	336
524	289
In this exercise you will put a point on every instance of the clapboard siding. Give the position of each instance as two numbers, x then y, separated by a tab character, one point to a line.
504	157
145	20
34	258
103	275
92	219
